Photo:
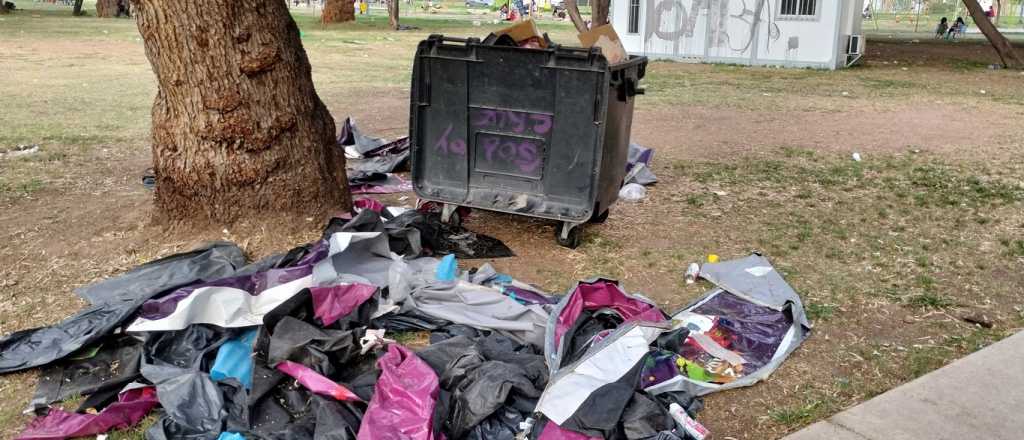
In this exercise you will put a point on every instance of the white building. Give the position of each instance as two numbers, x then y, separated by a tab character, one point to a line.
793	33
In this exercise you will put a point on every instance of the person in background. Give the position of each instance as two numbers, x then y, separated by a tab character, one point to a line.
362	7
942	28
957	28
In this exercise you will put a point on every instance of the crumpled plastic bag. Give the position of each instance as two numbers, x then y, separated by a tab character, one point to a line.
403	404
633	192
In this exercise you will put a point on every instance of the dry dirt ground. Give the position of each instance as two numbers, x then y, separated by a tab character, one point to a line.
889	253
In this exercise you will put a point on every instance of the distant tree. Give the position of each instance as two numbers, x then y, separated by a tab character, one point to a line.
338	11
238	131
106	8
1007	54
393	13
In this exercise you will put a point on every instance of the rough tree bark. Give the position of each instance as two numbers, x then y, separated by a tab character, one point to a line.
106	8
574	14
1007	54
238	130
599	12
393	13
338	11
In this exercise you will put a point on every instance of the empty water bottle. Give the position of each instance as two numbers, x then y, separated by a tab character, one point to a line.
692	272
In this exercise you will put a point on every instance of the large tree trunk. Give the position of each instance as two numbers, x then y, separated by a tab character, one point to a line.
574	14
1006	52
338	11
238	130
106	8
393	13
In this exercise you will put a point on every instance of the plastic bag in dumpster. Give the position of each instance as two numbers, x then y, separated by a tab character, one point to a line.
754	318
404	400
114	301
133	404
114	365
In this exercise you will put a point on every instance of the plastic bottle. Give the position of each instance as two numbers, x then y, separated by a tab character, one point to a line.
687	424
692	272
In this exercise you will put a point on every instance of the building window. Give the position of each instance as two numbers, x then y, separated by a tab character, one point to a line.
634	17
798	9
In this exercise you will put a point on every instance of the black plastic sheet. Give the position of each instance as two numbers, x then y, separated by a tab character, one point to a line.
114	365
114	301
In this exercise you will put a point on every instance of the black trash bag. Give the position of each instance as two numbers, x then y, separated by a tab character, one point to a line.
278	408
581	334
479	385
409	321
451	331
193	403
644	418
673	341
441	239
114	301
114	365
401	240
502	425
323	350
171	353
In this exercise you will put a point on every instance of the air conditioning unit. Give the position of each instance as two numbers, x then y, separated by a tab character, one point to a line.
853	48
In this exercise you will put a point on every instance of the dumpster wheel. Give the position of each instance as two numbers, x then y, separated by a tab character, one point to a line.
569	235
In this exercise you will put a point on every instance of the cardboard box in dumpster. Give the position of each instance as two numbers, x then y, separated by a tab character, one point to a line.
605	38
525	32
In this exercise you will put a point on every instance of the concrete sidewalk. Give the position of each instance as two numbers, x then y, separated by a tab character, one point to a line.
978	397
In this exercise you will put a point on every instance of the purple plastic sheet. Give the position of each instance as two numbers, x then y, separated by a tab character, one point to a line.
333	303
528	297
393	184
756	330
131	406
601	294
254	284
316	382
403	402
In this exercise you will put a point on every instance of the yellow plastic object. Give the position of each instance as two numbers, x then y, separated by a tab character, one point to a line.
712	258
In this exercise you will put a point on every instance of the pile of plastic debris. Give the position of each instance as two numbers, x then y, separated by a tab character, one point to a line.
301	345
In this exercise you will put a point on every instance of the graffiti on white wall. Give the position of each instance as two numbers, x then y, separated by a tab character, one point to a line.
723	25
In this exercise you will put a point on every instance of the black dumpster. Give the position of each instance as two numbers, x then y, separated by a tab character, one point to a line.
537	132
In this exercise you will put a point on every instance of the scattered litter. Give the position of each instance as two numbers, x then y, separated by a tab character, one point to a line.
856	157
720	193
904	69
638	165
378	183
846	93
632	192
692	272
982	92
20	150
712	258
132	405
149	179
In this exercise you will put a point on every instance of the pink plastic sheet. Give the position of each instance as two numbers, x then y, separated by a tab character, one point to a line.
554	432
403	402
600	294
315	382
131	406
333	303
371	204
